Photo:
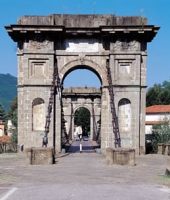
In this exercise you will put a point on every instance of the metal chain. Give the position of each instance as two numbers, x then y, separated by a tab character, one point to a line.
113	110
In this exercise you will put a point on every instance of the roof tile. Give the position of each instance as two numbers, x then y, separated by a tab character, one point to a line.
158	109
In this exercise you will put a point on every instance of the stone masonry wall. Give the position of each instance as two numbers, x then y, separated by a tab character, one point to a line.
83	42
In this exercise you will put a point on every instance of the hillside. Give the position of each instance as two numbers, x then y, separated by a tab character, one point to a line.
8	90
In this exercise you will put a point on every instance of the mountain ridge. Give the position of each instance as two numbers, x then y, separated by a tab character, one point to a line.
8	90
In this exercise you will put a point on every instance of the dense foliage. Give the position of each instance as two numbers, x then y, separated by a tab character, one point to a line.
13	116
159	94
82	118
2	113
160	134
8	89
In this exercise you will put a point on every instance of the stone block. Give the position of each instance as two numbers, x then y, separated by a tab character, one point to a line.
109	156
124	156
167	171
40	156
167	148
28	155
160	148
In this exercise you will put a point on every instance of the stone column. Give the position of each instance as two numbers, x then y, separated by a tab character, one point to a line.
142	103
105	120
160	148
91	127
58	124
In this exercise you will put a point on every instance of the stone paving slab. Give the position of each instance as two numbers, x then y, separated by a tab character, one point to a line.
87	146
84	176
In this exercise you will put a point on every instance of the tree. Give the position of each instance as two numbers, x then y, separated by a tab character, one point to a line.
164	97
82	118
160	134
151	97
158	94
2	113
13	112
13	116
166	85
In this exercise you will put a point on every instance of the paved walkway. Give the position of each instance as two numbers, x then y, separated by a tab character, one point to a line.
83	176
87	146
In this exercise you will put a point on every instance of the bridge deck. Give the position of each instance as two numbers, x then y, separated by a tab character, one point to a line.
87	146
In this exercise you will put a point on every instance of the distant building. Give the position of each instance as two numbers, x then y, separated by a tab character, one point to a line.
10	128
1	128
156	114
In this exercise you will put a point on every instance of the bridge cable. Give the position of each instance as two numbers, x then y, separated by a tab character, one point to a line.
113	110
50	104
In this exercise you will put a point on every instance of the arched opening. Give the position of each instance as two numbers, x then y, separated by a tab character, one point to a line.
81	78
38	114
124	115
81	100
82	118
125	121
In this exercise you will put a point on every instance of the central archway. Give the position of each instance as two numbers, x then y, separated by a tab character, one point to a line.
85	64
88	98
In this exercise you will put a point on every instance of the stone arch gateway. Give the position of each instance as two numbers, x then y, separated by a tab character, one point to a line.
82	97
83	40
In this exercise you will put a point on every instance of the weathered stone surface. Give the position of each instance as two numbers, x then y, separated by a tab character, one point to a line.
124	156
167	171
40	156
81	96
160	148
83	20
109	156
86	42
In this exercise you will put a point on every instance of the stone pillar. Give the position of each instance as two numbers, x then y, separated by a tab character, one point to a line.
160	148
58	124
105	120
166	149
28	155
142	121
142	101
91	127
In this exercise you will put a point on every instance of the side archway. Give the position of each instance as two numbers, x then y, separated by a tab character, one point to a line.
125	115
38	114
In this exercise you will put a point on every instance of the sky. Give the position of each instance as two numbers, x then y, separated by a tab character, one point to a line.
157	12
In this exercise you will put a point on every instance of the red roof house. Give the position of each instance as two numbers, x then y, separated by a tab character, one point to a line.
156	114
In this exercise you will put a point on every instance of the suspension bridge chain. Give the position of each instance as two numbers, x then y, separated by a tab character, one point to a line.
64	136
71	120
98	137
96	130
94	124
50	105
112	106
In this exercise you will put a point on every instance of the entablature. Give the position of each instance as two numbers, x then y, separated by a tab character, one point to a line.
18	32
